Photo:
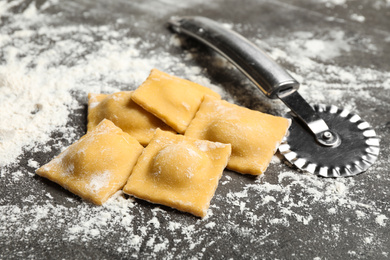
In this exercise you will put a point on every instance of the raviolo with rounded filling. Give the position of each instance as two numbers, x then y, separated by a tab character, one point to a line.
97	165
178	171
254	136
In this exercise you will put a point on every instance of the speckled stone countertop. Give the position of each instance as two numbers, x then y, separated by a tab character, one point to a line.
53	53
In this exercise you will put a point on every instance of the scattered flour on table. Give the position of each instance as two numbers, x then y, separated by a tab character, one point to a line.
358	18
334	2
35	89
381	219
37	86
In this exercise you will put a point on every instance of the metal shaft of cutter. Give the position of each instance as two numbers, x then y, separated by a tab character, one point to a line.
306	114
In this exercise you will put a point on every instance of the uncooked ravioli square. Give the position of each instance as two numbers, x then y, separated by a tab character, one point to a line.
179	172
125	114
172	99
97	165
254	136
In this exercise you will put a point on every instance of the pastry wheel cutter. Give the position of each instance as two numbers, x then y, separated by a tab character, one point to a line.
324	140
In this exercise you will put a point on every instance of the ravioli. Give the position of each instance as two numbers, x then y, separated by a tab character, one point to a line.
124	113
172	99
254	136
97	165
179	172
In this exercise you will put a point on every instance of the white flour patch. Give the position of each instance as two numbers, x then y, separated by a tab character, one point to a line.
358	18
99	181
26	100
381	220
35	90
333	3
33	164
322	82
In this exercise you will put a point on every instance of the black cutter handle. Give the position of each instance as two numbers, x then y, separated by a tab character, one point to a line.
264	72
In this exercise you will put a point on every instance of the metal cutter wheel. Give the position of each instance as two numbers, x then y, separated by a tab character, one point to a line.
322	140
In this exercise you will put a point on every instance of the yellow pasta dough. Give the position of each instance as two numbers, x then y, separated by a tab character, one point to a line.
97	165
179	171
254	136
124	113
172	99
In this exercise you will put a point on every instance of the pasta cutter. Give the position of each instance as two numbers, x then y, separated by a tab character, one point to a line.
324	140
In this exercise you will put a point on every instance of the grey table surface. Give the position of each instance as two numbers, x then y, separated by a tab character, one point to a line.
284	214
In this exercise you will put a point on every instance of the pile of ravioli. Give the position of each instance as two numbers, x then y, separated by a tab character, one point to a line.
167	142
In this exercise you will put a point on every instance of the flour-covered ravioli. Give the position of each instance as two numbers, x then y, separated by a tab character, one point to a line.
179	171
172	99
124	113
97	165
254	136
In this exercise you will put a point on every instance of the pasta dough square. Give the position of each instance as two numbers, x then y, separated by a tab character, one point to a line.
125	114
172	99
179	172
254	136
97	165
